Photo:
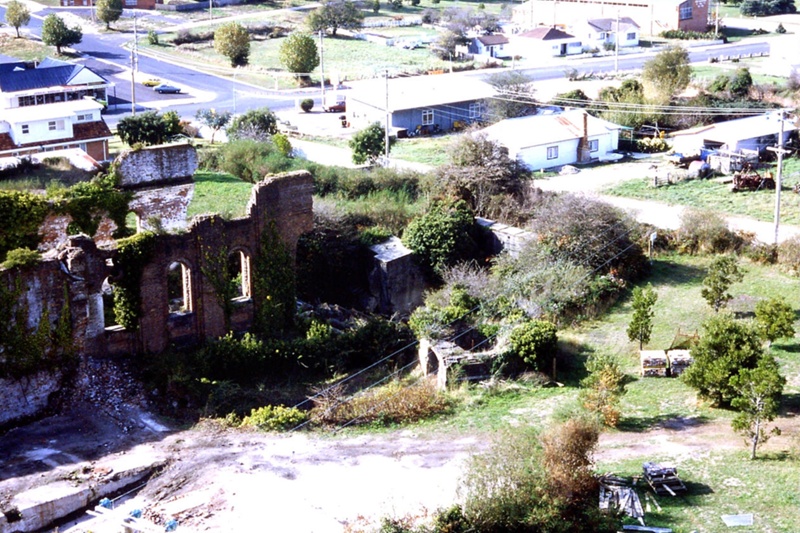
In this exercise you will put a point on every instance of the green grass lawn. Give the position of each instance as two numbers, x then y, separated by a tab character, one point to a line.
219	193
707	73
25	49
428	150
716	196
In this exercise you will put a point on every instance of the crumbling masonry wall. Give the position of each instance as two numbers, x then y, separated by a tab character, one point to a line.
73	275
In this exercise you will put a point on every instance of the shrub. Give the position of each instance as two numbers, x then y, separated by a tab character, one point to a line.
255	124
274	418
780	29
442	236
603	387
394	403
789	255
20	258
535	342
650	145
152	38
705	232
282	143
307	104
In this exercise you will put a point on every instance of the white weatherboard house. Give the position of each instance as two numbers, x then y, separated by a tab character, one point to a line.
547	141
751	133
599	32
546	41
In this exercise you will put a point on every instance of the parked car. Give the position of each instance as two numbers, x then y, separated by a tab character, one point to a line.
335	104
164	88
151	82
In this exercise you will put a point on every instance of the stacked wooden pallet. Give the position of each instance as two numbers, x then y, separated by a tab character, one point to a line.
679	361
654	363
663	479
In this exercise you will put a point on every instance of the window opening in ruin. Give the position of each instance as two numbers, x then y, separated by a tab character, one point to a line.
107	292
179	289
132	222
239	272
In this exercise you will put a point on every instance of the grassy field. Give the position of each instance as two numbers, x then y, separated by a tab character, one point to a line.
428	150
24	49
219	193
716	196
705	74
712	460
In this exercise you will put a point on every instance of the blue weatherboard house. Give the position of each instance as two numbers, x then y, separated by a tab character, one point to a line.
438	102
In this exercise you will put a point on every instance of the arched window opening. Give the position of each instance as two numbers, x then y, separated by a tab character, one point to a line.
107	299
239	272
179	288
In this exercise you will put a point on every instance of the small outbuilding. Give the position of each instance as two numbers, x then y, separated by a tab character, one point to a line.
547	141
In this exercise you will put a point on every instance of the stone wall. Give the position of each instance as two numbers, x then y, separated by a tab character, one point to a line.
156	165
73	275
27	397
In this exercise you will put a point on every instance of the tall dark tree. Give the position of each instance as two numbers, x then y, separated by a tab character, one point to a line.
723	272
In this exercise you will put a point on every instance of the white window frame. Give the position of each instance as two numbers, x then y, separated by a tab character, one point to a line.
594	145
475	111
427	117
685	10
131	3
52	126
552	152
26	129
631	36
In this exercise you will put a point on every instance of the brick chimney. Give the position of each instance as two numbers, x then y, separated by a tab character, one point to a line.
584	155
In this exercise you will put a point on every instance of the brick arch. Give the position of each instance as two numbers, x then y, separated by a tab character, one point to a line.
180	288
245	264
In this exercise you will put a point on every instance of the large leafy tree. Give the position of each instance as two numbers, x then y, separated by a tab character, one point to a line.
758	393
17	14
725	348
298	53
56	33
233	41
667	74
256	124
108	11
146	128
368	144
775	319
216	120
335	14
723	272
641	325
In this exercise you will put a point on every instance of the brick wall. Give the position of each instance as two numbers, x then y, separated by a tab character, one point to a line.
74	272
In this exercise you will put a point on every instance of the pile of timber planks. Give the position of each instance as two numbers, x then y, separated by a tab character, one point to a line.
663	479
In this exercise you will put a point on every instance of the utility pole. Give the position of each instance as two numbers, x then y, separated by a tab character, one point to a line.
210	13
716	22
322	68
235	69
134	65
779	182
386	132
616	47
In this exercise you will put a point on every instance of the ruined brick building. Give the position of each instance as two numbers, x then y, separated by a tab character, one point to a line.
178	303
